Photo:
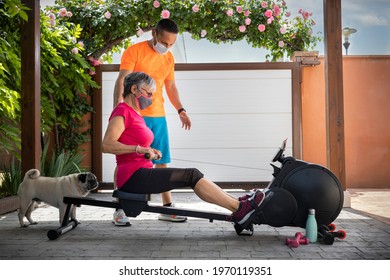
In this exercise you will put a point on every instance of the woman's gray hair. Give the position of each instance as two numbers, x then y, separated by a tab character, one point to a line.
139	79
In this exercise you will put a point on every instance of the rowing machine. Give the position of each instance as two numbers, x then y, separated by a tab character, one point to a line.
296	187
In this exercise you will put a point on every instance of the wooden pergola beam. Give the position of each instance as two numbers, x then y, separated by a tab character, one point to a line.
31	88
335	144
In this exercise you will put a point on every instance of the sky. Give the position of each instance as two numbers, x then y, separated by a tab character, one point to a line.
371	19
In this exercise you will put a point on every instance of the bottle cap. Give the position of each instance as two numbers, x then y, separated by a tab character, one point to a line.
312	211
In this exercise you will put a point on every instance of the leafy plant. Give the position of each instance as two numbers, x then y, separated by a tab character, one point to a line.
10	179
60	164
10	73
65	82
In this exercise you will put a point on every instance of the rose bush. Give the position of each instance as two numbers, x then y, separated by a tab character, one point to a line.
258	22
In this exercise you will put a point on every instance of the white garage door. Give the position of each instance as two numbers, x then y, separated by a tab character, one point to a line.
239	118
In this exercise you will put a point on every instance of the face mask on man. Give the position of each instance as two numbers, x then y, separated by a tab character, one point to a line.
160	48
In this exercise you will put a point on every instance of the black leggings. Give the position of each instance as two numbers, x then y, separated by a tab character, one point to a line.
159	180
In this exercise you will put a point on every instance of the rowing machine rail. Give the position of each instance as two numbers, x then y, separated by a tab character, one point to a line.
132	204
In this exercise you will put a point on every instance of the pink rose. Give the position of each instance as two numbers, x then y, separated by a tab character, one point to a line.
300	11
81	44
203	33
247	13
165	14
75	50
52	22
229	12
268	13
270	20
242	28
264	4
62	12
282	30
107	15
69	14
156	4
248	21
96	63
276	10
261	27
52	16
288	14
305	15
195	8
281	44
91	72
239	9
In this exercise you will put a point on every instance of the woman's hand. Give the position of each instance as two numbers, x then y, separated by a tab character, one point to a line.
153	153
157	154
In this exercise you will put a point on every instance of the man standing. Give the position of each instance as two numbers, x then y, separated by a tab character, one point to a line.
154	58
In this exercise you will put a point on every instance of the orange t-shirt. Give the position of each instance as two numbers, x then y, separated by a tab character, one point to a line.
141	57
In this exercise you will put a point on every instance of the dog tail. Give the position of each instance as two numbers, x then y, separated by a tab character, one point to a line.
32	174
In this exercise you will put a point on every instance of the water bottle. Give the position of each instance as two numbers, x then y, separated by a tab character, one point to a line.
311	226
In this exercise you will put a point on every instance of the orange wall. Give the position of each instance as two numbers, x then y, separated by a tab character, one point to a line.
366	119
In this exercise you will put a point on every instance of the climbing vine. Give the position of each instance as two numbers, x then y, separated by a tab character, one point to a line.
106	25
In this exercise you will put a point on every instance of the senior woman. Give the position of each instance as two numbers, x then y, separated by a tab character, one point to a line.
129	139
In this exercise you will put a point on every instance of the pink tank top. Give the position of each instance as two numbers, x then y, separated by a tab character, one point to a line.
136	133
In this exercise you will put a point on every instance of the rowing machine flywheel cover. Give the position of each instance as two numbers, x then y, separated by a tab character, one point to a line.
314	187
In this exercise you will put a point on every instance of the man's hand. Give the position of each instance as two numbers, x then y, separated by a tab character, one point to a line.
185	120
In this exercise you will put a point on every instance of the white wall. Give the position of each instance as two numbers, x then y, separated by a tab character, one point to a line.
239	119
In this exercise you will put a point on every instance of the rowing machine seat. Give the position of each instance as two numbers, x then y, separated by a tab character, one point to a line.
131	203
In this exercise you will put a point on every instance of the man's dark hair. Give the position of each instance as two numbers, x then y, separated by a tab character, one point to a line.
167	25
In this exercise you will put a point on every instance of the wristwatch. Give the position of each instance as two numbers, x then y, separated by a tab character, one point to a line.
181	110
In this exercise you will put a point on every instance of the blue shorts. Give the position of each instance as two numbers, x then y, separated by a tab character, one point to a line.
159	127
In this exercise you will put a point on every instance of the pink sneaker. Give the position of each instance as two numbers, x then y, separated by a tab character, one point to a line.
247	209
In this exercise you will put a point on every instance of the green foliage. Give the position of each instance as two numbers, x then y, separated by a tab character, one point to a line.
65	85
65	82
107	24
60	164
10	179
10	75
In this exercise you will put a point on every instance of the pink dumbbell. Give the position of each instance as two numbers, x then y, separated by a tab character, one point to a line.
299	239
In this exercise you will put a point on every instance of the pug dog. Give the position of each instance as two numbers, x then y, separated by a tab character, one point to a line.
51	190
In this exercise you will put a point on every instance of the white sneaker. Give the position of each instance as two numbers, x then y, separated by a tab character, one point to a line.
120	218
172	218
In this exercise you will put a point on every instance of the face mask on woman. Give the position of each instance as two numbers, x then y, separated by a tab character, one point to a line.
143	101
